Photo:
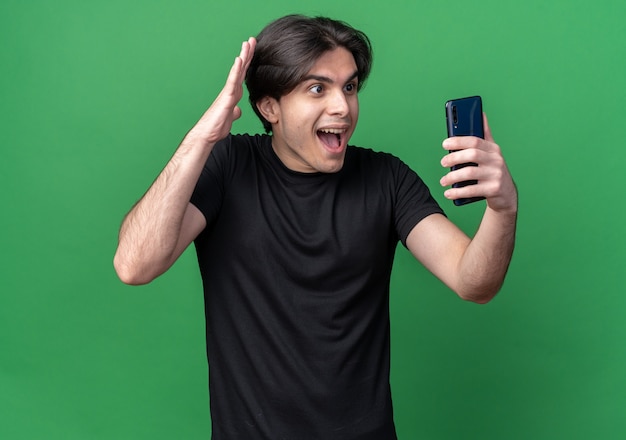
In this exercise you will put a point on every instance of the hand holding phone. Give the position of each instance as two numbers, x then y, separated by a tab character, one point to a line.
464	117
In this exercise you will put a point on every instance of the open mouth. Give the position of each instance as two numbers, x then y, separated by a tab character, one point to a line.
331	137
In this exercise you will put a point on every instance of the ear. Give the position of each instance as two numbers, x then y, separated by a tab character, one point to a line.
269	108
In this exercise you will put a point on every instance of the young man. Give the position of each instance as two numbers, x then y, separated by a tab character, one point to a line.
295	234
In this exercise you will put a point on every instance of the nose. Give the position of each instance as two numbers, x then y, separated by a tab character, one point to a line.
338	104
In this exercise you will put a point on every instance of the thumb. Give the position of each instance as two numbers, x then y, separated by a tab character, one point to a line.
488	135
236	113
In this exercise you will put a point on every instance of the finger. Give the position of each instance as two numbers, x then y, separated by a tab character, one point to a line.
234	75
461	175
242	62
461	143
465	192
236	113
459	157
251	47
488	135
243	57
247	53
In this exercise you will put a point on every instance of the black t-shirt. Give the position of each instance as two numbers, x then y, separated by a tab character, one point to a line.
296	271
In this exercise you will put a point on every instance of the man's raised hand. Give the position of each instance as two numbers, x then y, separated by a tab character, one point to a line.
494	180
217	121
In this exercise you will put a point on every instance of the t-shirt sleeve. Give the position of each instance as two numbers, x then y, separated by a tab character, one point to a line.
413	203
210	188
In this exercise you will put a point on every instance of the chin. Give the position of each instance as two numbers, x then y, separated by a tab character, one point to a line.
331	166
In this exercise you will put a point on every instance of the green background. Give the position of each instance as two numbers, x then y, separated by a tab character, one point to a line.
95	97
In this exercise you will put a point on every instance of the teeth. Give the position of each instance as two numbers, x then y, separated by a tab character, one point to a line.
332	130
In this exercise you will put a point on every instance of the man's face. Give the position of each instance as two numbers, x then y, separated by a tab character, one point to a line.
312	124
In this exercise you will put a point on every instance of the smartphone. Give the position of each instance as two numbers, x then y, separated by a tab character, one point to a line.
464	117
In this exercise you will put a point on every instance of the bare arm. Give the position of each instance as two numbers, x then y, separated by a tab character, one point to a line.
474	268
163	223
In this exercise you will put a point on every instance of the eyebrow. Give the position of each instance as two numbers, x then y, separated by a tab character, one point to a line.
328	80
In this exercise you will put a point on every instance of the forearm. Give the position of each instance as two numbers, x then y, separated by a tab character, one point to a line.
485	262
156	230
150	231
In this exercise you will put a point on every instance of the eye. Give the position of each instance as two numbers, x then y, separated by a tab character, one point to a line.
317	89
351	87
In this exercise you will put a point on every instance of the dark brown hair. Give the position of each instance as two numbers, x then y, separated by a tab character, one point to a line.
288	47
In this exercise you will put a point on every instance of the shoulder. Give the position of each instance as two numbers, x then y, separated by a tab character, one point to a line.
245	142
237	149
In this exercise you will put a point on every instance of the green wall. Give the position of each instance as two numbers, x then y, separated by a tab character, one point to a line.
95	97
